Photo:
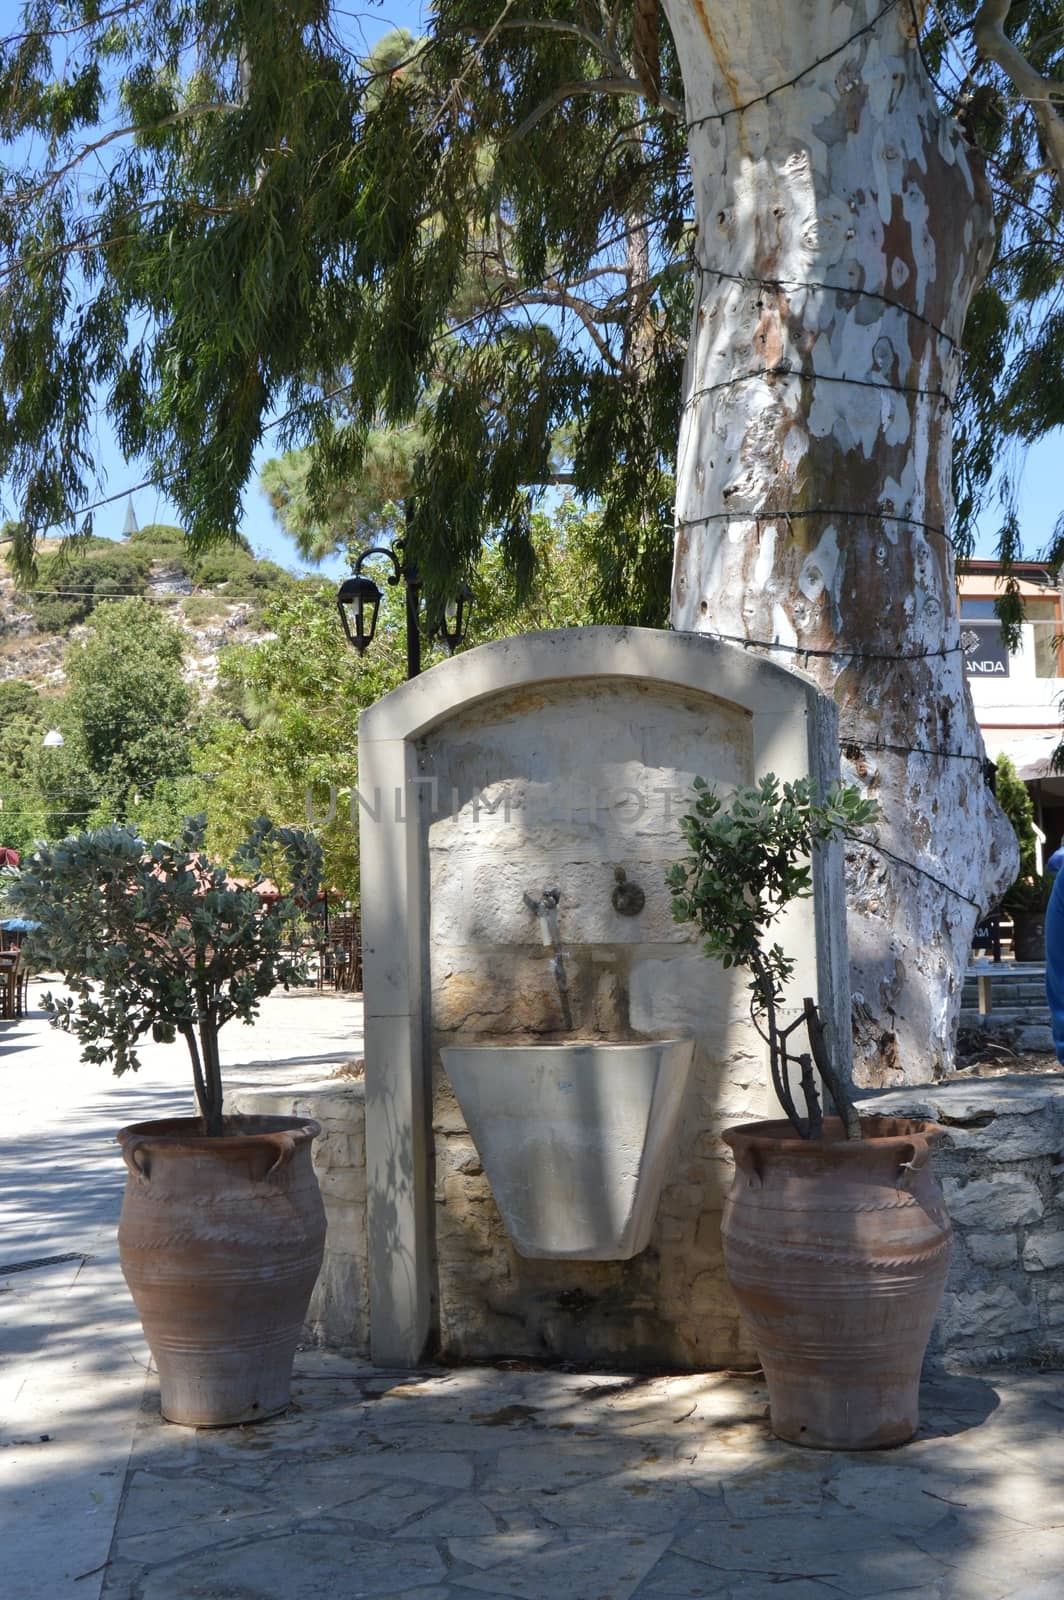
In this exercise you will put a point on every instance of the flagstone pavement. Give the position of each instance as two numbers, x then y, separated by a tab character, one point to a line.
465	1483
447	1484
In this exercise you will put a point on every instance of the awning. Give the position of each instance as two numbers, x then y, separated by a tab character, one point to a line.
1030	753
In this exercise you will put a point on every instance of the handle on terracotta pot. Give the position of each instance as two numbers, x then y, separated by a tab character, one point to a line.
139	1169
748	1164
286	1149
919	1156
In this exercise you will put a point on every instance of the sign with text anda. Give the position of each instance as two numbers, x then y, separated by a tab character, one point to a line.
985	655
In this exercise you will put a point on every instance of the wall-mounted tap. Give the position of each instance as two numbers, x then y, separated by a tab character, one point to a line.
546	909
547	902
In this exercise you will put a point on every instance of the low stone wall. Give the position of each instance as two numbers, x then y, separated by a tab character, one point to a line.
1001	1166
338	1315
1000	1162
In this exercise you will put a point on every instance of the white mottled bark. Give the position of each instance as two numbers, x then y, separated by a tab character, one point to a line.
842	229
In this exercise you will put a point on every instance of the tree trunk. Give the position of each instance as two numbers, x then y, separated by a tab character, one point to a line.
842	228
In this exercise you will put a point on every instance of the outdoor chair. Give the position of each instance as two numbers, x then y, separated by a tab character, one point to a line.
14	982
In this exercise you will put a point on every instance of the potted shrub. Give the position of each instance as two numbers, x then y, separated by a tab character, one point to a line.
836	1240
222	1224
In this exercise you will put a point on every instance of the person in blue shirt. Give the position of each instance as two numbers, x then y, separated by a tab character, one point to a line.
1055	960
1055	862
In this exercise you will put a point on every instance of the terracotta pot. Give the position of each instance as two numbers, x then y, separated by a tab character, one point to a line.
837	1253
221	1242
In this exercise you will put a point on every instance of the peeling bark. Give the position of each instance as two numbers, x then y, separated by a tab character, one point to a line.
842	229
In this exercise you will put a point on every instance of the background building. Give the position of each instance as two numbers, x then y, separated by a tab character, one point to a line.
1018	694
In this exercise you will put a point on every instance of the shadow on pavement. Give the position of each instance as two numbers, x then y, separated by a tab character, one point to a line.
456	1484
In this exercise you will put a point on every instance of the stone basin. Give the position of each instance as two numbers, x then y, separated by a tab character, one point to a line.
575	1138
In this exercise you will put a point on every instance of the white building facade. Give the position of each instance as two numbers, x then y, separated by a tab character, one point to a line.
1018	694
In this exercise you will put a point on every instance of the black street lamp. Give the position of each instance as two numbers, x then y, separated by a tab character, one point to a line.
455	616
358	600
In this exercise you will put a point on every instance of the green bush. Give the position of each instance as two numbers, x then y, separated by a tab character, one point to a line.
240	572
69	588
1014	798
160	542
200	608
23	719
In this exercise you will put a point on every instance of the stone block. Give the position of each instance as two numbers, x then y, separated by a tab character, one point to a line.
447	1118
709	1290
1035	1039
683	1200
1019	1138
1053	1303
1044	1250
343	1183
684	993
993	1249
462	1191
1001	1200
464	1158
335	1149
984	1314
673	1230
494	993
338	1314
1004	1119
483	903
708	1241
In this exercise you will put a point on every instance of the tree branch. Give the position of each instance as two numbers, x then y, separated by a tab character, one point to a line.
994	45
569	91
189	1035
825	1066
96	145
548	24
78	27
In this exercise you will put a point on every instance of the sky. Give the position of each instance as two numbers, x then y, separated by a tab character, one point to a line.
372	19
1040	472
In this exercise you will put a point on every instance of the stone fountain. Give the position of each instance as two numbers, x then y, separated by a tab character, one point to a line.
550	1059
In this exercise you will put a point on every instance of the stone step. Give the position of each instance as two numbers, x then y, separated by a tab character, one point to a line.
1007	994
1029	983
1014	1013
1019	1030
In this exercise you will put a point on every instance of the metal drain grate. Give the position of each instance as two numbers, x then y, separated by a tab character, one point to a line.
41	1261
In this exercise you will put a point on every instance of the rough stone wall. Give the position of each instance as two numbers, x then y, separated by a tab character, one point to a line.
1001	1166
338	1315
584	780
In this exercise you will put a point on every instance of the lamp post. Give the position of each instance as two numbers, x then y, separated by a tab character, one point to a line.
358	600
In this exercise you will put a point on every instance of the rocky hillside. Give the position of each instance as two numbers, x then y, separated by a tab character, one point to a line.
218	599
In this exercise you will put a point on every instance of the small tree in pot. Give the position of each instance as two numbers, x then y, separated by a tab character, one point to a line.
750	860
835	1237
160	940
222	1225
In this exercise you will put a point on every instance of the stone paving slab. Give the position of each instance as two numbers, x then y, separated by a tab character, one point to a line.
461	1484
